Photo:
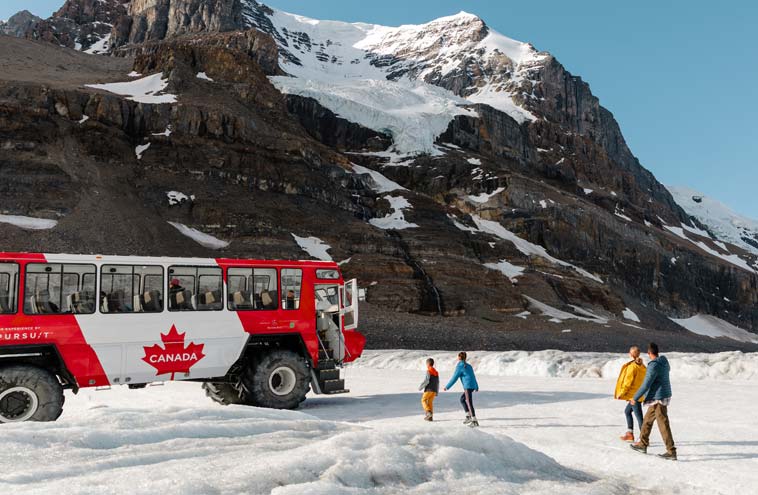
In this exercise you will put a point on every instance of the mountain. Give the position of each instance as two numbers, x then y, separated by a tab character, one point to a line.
81	24
721	222
452	170
19	23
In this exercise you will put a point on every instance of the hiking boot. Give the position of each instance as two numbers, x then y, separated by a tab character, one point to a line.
467	420
638	447
628	437
473	423
668	456
428	417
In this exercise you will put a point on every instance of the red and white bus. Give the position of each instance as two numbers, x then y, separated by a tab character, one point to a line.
256	332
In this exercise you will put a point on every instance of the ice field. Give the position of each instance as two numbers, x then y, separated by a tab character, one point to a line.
549	425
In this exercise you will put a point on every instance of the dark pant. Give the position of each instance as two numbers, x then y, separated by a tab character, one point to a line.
658	414
467	401
637	410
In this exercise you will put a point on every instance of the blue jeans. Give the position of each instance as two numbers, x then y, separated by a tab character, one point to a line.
467	399
637	410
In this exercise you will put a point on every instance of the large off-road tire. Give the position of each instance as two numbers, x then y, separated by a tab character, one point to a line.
28	393
278	380
224	393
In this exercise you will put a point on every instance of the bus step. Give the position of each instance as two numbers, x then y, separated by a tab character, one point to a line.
326	364
330	386
335	392
332	374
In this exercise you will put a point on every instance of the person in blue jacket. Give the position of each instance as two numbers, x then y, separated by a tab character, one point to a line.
656	390
465	372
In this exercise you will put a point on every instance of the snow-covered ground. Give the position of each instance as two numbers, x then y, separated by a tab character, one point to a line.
538	435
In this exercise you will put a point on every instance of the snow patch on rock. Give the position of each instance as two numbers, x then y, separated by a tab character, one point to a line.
166	133
396	219
143	90
631	315
558	316
140	149
726	224
28	223
714	327
314	246
205	240
100	46
729	258
177	197
509	270
381	184
484	197
526	247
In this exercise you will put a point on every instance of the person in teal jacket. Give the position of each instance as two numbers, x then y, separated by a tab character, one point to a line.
465	372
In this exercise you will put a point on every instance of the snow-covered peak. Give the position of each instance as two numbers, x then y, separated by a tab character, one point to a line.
409	81
722	222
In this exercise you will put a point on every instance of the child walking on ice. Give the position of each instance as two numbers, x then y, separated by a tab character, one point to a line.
465	372
431	387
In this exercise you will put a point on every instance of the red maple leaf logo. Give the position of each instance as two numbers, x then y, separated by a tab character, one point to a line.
174	357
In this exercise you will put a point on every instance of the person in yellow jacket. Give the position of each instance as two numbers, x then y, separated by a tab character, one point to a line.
630	379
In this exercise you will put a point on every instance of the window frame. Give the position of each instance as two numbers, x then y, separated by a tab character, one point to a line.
140	287
61	273
248	282
196	284
17	277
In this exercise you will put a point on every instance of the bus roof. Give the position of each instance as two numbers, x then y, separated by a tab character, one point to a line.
163	260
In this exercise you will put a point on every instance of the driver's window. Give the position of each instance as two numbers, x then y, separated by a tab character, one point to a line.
292	282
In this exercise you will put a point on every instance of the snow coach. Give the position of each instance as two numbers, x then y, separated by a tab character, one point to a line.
254	332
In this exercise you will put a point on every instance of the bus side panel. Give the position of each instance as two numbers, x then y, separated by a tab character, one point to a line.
62	331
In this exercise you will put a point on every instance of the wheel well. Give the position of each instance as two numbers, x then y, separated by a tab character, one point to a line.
256	347
45	357
259	344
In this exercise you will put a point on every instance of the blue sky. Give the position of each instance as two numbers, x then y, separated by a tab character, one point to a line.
680	76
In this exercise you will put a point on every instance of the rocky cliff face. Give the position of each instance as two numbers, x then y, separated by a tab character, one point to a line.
19	23
527	194
151	20
81	24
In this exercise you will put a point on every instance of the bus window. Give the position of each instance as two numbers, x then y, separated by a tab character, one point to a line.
54	288
195	288
8	288
131	289
251	289
292	281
